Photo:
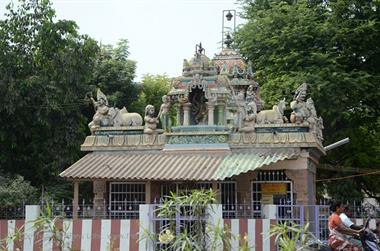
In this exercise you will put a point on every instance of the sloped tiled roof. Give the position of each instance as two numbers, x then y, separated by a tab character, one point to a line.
169	166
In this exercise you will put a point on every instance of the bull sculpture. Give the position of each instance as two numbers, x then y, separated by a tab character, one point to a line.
274	116
124	118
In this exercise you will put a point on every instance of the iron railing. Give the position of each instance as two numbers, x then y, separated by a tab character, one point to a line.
230	211
315	215
12	212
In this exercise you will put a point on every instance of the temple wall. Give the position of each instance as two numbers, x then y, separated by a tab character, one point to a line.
301	171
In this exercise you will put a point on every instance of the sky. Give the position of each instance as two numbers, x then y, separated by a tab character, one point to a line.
161	33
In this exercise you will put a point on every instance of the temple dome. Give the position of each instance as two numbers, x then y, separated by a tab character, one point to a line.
199	64
200	61
227	59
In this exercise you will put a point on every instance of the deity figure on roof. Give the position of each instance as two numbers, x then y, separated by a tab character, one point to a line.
164	115
199	107
253	95
315	122
250	117
304	112
150	121
300	112
102	116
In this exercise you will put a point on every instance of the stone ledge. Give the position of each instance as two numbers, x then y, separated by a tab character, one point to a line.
125	130
123	141
121	148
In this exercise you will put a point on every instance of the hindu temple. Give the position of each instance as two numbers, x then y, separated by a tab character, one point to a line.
214	131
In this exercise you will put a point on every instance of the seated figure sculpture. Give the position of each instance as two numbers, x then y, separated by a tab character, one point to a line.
250	117
106	116
151	121
102	116
300	111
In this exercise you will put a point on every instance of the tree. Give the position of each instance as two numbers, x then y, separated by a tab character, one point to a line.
153	87
15	191
333	46
114	73
45	72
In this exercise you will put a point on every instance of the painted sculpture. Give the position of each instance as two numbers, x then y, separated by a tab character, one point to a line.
164	115
274	116
101	116
151	121
106	116
298	105
214	95
250	117
304	112
124	118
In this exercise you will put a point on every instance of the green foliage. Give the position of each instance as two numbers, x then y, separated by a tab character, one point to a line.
45	69
333	46
192	204
292	237
47	223
16	191
196	199
153	87
114	72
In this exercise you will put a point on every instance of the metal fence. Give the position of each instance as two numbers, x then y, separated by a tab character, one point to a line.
315	215
233	211
84	210
125	210
102	211
12	212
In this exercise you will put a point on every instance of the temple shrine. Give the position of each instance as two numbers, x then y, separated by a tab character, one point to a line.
213	131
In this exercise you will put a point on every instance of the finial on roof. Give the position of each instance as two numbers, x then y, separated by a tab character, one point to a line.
199	49
228	40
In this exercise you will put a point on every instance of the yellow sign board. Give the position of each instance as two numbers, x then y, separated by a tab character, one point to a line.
273	188
267	199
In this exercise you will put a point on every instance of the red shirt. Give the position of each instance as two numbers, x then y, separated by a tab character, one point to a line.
334	221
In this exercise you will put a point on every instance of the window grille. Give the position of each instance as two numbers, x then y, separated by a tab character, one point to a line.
125	198
228	198
270	177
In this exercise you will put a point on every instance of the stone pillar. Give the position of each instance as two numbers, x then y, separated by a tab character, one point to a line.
305	194
186	114
99	187
179	110
214	220
76	199
155	192
216	191
221	112
145	228
32	212
210	108
148	189
244	187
